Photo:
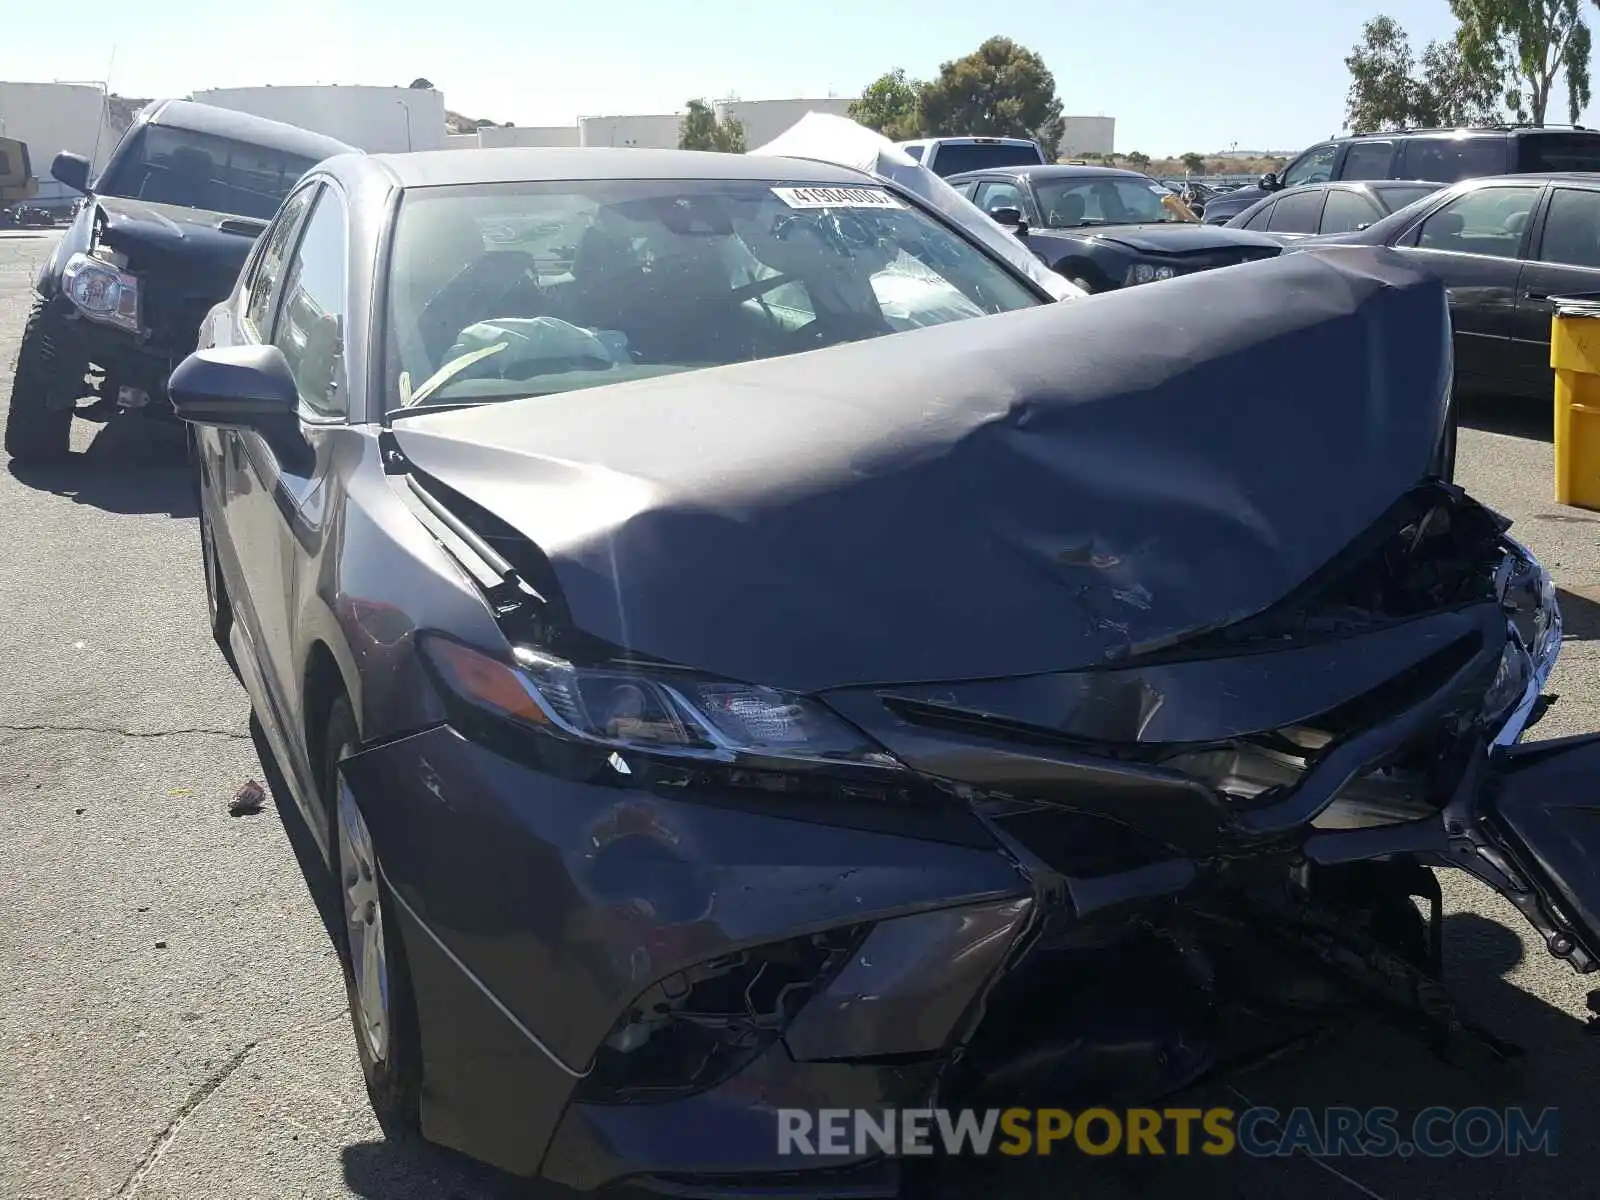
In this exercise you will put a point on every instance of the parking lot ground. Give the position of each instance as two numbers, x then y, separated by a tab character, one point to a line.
172	1023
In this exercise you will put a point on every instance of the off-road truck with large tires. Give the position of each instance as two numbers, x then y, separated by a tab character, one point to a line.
159	240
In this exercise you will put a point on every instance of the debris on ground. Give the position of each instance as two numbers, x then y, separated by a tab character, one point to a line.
248	800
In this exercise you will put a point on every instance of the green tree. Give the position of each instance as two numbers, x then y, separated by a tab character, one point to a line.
1194	163
1138	160
700	129
1383	94
1528	45
1001	89
1391	88
889	105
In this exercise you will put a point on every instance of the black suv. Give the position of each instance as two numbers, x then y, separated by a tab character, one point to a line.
1434	155
160	240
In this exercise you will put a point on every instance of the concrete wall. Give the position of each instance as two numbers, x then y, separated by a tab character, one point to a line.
766	119
648	131
52	117
491	136
1089	135
375	119
461	141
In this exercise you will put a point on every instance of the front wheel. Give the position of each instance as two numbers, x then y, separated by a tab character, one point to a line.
376	975
49	376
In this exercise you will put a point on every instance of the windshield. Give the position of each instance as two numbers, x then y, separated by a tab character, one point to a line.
955	157
529	289
166	165
1107	200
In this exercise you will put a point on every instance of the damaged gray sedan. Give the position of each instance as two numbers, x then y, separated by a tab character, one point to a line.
718	692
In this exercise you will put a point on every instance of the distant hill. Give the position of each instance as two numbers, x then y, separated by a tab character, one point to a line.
1163	168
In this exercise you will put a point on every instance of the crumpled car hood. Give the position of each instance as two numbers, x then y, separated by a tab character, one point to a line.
1047	490
215	239
1172	239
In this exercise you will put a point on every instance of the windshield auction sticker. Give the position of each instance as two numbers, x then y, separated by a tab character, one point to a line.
835	197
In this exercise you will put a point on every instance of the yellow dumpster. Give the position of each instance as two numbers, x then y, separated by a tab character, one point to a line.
1575	355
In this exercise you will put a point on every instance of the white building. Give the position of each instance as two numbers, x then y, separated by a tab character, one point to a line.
1088	135
764	120
375	119
490	136
52	117
647	131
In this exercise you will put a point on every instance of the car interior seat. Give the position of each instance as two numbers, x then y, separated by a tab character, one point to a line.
1068	210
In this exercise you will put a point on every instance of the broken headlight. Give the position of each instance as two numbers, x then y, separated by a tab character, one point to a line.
102	291
1533	617
664	712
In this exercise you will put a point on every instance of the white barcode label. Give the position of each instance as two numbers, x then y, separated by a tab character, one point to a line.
836	197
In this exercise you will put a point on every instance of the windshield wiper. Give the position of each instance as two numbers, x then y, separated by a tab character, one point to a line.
433	406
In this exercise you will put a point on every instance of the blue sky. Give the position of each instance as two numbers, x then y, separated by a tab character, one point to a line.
1178	76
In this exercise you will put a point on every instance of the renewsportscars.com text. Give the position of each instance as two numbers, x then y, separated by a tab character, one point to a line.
1435	1132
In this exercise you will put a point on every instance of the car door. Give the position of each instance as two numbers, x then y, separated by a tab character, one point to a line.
1473	241
283	475
220	452
1348	210
994	194
1563	260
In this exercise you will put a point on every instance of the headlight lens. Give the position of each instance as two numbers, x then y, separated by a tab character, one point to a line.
1533	614
101	292
670	713
1146	273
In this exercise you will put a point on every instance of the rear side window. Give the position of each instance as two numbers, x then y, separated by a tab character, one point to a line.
1296	214
1559	152
914	151
1572	229
1259	219
1450	159
1347	212
1367	160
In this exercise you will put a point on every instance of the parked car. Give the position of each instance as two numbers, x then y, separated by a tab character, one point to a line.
678	731
1432	155
1503	247
1104	228
25	216
1329	207
946	156
166	227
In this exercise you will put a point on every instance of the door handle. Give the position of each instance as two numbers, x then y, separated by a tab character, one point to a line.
1534	295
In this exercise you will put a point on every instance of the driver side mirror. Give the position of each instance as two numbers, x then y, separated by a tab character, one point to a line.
239	387
72	170
1012	218
1270	182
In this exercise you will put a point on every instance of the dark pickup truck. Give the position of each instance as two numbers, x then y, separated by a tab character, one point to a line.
159	240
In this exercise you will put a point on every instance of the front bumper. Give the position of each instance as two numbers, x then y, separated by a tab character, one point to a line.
552	921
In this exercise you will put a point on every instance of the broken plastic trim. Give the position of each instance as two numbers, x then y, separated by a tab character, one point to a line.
696	1028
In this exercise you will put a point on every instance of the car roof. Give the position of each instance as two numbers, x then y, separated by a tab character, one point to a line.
442	168
244	127
1047	171
971	140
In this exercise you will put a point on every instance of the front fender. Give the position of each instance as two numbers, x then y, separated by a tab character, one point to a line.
75	240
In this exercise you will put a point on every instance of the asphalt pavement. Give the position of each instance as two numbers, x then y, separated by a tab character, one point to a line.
172	1021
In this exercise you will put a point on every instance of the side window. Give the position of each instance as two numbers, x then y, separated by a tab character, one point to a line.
310	328
966	188
1367	160
914	151
1452	159
1261	217
1347	211
1487	220
268	271
1297	213
1572	229
1314	166
996	194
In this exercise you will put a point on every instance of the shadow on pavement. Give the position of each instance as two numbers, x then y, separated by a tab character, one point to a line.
1512	417
1580	615
132	466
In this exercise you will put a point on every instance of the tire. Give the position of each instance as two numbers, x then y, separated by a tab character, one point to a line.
219	608
1083	275
391	1058
46	367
